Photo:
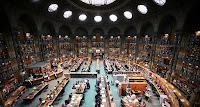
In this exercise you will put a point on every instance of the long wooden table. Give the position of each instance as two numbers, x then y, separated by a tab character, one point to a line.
108	66
37	81
103	92
67	64
75	100
98	65
75	67
47	101
15	97
81	87
35	91
86	67
136	79
157	87
109	94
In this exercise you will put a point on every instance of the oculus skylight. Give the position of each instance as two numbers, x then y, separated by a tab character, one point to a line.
160	2
97	18
67	14
142	9
98	2
53	7
113	18
82	17
128	15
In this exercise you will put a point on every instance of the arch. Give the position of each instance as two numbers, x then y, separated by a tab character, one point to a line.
48	28
98	30
65	30
130	31
146	29
81	31
27	24
114	31
167	25
192	22
5	27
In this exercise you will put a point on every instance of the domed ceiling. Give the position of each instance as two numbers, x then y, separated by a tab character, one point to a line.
85	11
99	6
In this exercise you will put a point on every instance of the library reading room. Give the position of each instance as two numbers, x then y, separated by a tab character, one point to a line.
99	53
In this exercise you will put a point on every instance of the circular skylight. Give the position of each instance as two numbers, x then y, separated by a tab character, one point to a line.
82	17
113	17
98	2
97	18
35	1
128	14
142	9
67	14
53	7
160	2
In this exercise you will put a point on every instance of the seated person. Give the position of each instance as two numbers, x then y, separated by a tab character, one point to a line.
143	104
67	102
51	97
63	105
70	95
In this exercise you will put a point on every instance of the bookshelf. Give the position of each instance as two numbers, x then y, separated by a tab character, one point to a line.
65	45
114	45
81	46
145	47
48	47
8	65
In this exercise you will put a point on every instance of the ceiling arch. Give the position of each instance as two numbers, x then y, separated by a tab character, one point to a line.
98	30
5	24
65	30
130	31
167	24
48	28
146	29
81	31
25	21
114	31
192	22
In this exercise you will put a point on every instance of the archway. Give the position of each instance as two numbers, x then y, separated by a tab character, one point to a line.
48	29
114	32
65	30
98	31
192	22
167	26
146	29
27	24
81	31
130	31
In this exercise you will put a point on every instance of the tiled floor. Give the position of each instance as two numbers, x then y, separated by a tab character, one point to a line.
89	94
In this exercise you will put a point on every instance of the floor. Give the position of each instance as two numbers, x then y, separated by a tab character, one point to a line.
89	94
